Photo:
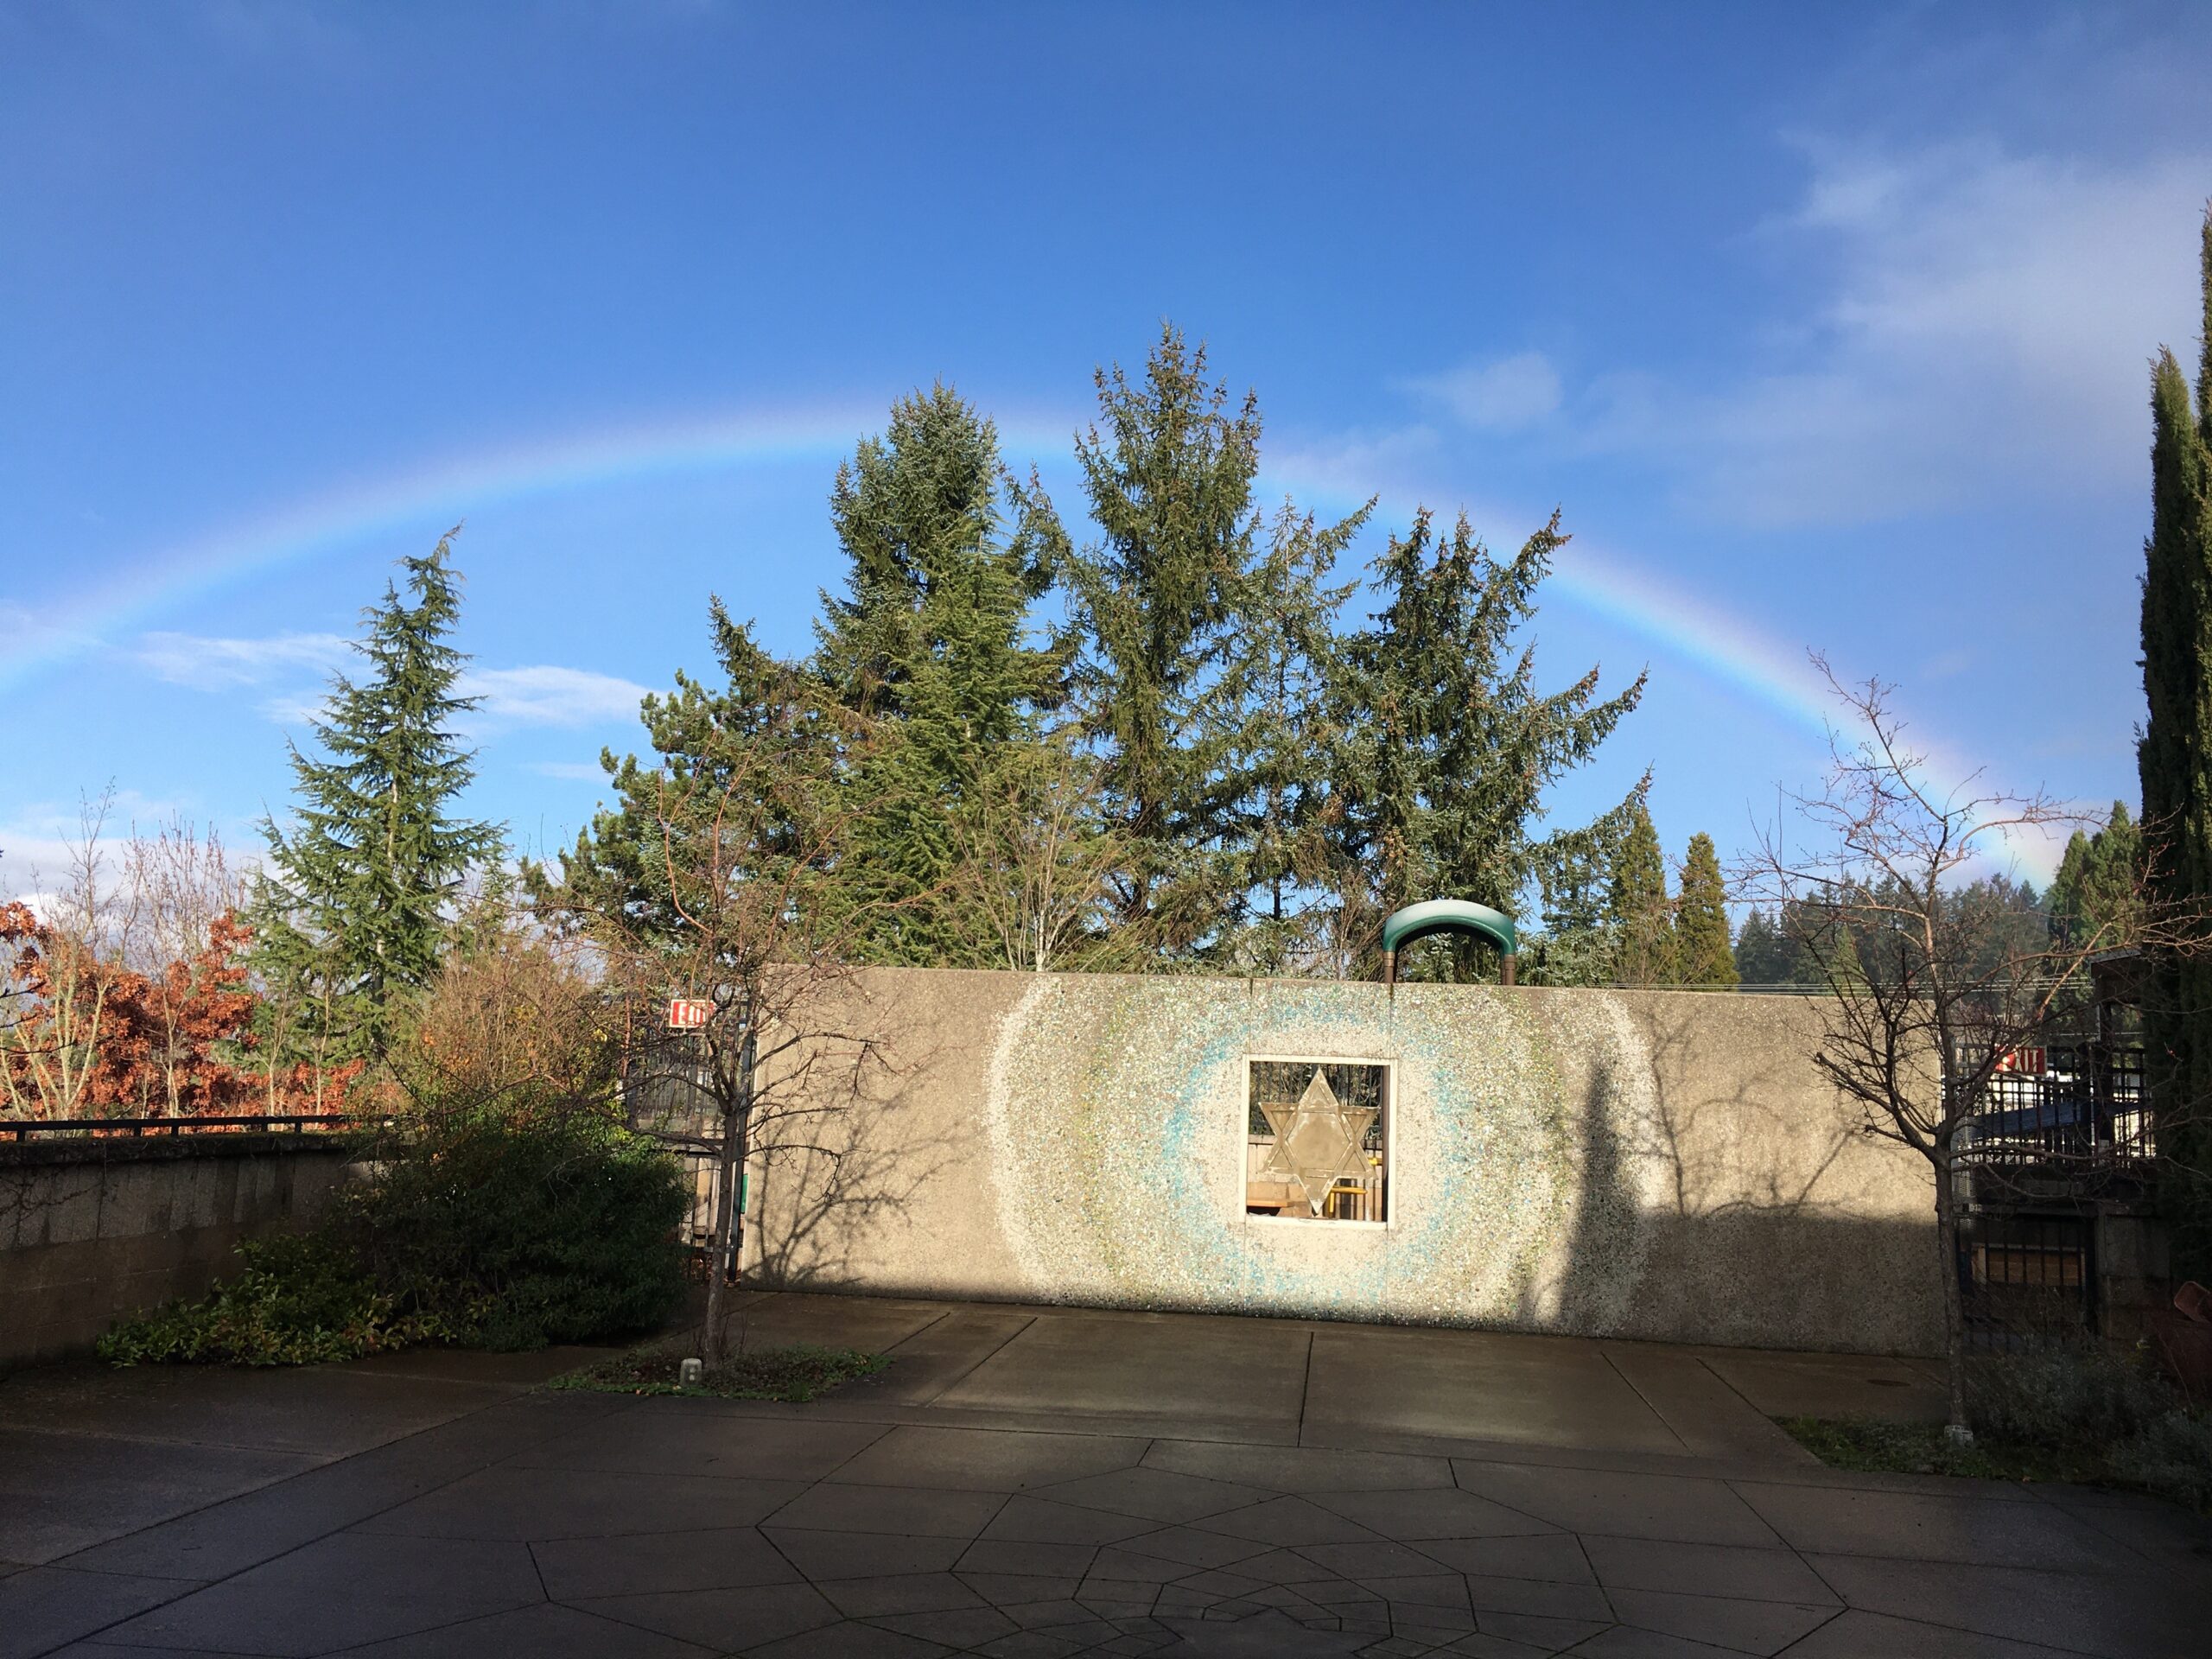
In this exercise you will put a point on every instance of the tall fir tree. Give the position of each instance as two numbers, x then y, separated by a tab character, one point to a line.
351	909
2175	760
1448	747
1642	913
1156	605
1282	670
1703	956
932	638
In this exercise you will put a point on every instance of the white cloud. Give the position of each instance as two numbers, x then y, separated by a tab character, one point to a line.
1508	394
1985	327
210	664
548	696
28	636
41	844
296	665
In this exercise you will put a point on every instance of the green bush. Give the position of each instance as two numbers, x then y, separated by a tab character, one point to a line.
563	1229
2065	1394
2171	1456
475	1230
298	1301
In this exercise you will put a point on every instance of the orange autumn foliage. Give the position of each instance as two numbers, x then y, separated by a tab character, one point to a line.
82	1034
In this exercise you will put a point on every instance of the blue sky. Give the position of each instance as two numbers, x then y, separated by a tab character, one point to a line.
1826	327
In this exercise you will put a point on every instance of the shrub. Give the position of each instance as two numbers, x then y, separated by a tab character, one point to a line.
558	1228
2171	1456
298	1301
481	1230
2065	1394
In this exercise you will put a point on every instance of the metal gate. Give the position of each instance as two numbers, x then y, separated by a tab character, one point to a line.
2026	1278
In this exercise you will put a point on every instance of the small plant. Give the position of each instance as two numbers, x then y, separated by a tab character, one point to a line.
2063	1394
795	1374
2072	1411
298	1301
2170	1456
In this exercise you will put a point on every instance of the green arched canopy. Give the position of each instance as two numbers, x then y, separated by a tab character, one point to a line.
1448	915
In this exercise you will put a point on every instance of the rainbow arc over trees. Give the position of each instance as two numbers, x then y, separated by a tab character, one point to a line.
424	500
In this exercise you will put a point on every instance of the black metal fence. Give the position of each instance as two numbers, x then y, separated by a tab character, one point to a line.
2081	1105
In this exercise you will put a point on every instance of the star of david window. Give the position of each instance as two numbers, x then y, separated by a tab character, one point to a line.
1316	1139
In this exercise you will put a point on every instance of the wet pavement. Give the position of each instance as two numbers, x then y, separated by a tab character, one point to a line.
1051	1482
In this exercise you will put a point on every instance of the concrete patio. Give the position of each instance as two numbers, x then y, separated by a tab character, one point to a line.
1048	1482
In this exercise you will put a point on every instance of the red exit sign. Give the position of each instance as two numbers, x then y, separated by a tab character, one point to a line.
688	1012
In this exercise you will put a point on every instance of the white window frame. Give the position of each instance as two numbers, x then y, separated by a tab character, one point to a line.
1389	1069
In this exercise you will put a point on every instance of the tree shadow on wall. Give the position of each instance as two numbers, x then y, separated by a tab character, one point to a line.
836	1184
1756	1241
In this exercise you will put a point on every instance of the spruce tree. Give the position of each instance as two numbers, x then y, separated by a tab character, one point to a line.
1156	605
1641	909
1448	747
1702	955
1282	670
351	908
2175	760
931	637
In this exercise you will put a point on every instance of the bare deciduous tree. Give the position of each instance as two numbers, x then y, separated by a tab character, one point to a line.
717	880
1928	999
1036	862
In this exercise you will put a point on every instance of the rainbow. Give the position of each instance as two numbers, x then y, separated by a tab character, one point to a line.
422	500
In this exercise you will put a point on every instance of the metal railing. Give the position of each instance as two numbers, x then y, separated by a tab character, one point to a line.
138	1128
2080	1104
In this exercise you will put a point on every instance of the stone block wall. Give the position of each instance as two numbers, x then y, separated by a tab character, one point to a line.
91	1231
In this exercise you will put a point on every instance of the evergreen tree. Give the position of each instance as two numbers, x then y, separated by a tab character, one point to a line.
1640	910
2096	892
2175	759
1703	956
1281	672
1156	605
1446	746
1763	953
350	912
743	782
1578	942
931	637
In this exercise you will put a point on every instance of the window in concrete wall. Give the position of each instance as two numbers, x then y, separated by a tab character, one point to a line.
1316	1140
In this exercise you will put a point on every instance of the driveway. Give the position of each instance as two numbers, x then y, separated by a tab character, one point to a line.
1047	1482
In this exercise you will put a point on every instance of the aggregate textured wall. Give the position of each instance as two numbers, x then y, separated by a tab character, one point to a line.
1660	1165
90	1231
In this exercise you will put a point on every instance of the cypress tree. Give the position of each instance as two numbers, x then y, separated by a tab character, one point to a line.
1156	605
350	910
1640	910
931	638
1446	746
2175	760
1703	956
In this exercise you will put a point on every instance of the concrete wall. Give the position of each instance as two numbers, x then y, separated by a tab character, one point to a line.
1660	1165
91	1231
